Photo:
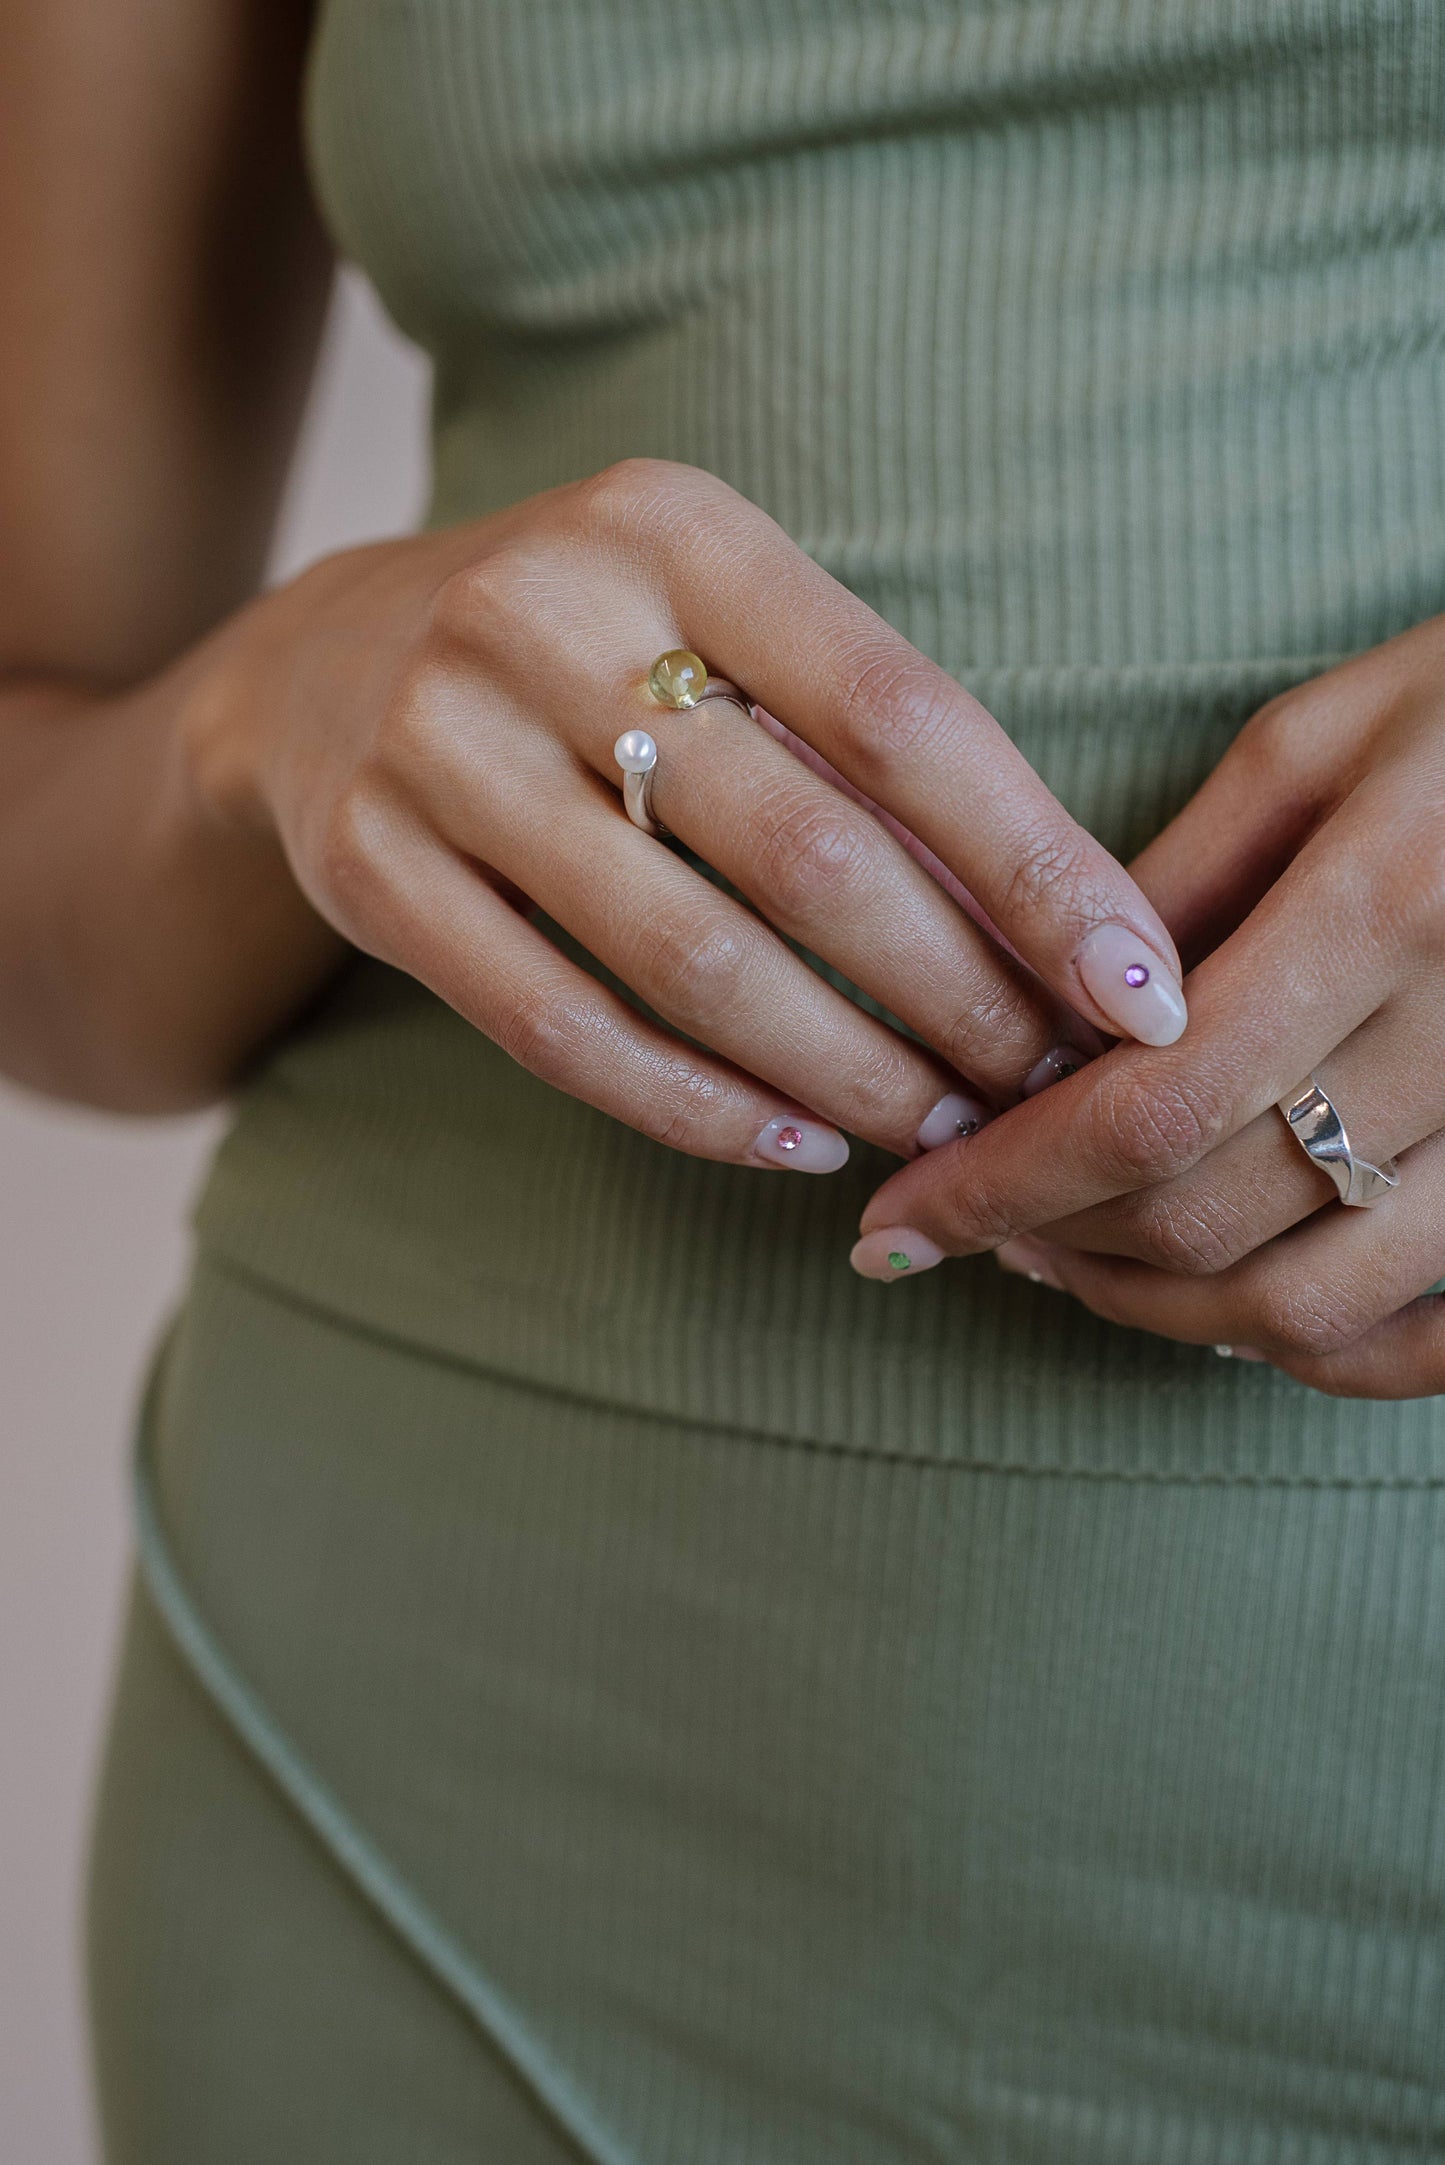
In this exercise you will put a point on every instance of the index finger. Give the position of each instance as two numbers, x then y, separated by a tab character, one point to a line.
914	741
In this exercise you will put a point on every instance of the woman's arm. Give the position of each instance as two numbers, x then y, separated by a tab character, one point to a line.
162	283
419	736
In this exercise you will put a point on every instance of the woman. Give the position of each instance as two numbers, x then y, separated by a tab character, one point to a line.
607	1680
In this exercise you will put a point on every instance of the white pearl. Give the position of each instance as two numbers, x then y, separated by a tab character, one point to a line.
635	752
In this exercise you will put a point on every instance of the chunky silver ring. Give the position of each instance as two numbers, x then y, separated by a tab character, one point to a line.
679	680
1313	1119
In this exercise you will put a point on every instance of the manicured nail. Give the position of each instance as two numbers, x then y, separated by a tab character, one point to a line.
1054	1066
804	1146
1134	988
1025	1258
952	1117
894	1251
1239	1353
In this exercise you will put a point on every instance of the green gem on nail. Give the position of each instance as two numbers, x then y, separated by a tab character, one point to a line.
898	1260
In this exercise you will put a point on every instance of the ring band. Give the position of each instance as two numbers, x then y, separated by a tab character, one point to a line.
678	680
1313	1119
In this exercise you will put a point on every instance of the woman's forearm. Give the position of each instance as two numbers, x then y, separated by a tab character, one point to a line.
149	944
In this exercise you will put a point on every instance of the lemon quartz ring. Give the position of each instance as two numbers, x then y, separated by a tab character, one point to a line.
680	681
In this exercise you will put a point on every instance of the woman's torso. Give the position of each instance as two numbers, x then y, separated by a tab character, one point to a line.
1100	348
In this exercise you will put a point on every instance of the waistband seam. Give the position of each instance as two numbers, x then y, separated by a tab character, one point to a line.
931	1462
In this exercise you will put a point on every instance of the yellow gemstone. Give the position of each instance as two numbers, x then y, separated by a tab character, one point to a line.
677	678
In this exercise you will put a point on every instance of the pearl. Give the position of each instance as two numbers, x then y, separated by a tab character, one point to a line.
635	752
677	678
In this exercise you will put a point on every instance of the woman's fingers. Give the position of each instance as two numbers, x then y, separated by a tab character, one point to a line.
1312	962
1289	766
824	871
904	733
699	959
1388	1080
1403	1357
448	927
1306	1297
1209	867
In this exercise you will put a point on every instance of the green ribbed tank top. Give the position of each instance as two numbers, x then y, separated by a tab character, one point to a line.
1098	345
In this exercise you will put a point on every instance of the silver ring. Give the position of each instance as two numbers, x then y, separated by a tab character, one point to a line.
636	754
1313	1119
680	681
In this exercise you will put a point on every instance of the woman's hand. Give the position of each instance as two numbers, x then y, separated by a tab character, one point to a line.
1163	1188
428	725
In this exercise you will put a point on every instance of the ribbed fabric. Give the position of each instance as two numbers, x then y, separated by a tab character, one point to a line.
612	1683
529	1780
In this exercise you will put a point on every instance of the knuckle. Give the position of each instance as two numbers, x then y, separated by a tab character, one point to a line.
540	1030
687	1117
1049	866
976	1217
1000	1015
882	1078
1184	1234
412	730
1295	1320
1151	1133
1278	736
350	850
690	967
640	493
895	709
810	852
488	599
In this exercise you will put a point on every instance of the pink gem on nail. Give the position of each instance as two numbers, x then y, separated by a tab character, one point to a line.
789	1138
1136	975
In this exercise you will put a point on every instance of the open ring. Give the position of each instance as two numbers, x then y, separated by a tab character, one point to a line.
679	680
1314	1121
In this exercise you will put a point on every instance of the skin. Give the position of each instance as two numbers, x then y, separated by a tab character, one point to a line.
1306	879
204	798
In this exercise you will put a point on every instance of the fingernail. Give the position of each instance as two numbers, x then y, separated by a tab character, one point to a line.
804	1146
1024	1258
1239	1353
1134	988
952	1117
1054	1066
894	1251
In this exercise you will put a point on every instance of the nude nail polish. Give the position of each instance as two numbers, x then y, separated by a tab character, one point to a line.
1054	1066
1135	989
803	1146
894	1251
1025	1258
952	1119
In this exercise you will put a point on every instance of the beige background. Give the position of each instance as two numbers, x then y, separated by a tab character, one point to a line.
92	1246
